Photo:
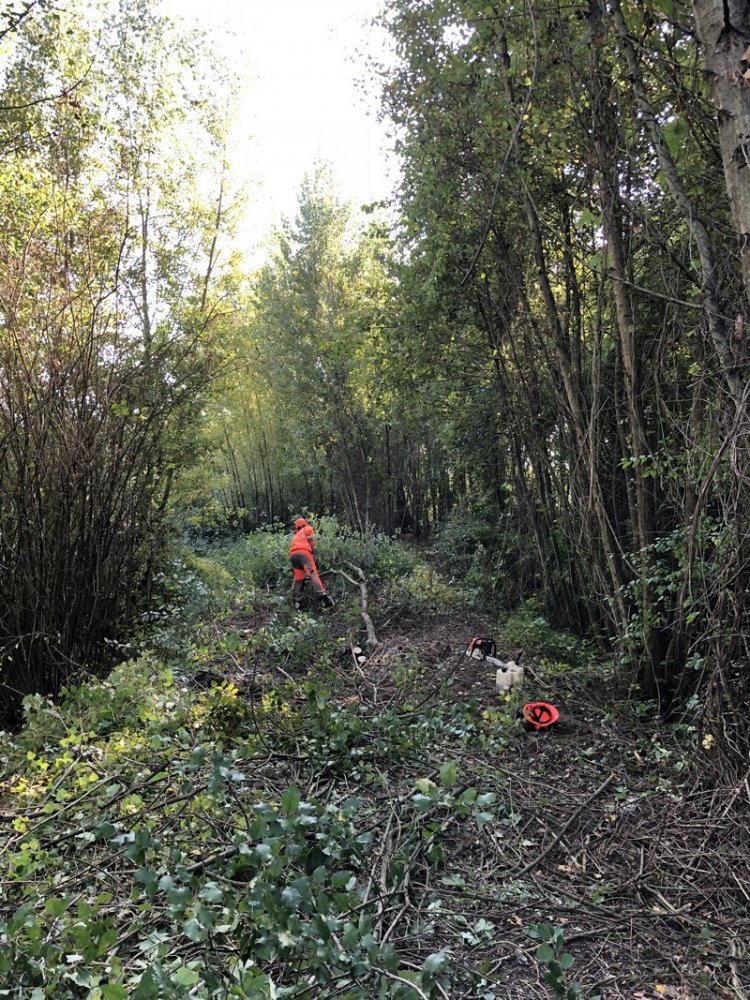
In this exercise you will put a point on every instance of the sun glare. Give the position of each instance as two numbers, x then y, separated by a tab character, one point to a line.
301	64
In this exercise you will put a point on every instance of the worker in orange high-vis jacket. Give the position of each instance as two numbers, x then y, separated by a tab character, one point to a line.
302	555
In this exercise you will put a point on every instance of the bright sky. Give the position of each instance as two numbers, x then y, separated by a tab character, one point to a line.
302	60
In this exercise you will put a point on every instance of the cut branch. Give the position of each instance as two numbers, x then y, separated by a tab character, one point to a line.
556	840
372	639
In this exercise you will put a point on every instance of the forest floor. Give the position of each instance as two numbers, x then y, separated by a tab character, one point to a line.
601	839
263	816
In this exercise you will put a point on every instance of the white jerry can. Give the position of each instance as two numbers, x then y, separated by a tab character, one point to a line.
509	677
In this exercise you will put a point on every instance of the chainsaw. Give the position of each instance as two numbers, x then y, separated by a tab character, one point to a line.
508	674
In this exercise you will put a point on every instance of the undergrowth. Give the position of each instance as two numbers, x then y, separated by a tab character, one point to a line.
239	811
160	846
159	843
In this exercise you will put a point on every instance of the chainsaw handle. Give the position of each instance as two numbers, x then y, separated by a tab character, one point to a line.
485	645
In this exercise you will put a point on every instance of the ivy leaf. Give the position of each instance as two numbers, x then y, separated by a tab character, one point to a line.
448	774
147	878
185	977
483	817
545	953
343	880
350	937
433	963
104	831
211	893
290	800
290	897
453	880
195	932
55	907
205	917
114	992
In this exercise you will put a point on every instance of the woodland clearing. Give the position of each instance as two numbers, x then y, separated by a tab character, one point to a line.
263	816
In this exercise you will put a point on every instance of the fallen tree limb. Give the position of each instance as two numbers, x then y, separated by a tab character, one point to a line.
556	840
372	639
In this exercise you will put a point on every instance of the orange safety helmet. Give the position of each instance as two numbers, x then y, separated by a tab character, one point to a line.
539	715
299	523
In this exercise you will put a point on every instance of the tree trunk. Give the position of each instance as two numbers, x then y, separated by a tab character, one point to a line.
145	213
577	420
717	324
724	31
642	512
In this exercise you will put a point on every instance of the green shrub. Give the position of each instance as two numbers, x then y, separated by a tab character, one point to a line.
133	695
480	549
258	560
423	591
462	535
261	559
378	555
528	628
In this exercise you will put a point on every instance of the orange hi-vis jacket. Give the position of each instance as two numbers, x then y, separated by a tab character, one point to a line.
303	540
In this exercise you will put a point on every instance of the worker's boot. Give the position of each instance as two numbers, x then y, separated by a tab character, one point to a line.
327	601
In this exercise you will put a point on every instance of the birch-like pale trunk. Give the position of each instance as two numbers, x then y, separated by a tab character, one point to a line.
724	31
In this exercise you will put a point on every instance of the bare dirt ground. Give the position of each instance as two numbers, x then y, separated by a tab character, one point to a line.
602	828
